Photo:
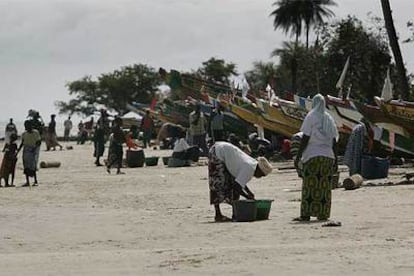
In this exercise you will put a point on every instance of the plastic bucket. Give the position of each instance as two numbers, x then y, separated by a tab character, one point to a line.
151	161
165	160
374	167
263	208
244	210
135	158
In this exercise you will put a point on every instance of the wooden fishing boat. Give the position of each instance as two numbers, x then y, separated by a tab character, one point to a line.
375	115
400	112
345	114
245	110
282	116
270	116
178	112
175	112
186	85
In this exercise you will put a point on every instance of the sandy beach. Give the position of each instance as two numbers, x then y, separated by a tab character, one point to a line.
158	221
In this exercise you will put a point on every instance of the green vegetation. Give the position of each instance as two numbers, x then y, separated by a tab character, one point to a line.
303	68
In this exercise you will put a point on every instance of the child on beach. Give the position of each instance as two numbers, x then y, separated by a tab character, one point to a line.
8	165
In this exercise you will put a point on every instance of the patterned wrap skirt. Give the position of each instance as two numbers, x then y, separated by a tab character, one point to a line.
221	182
316	188
30	157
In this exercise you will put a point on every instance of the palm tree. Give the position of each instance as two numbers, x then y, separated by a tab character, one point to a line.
262	74
395	47
290	15
289	54
314	12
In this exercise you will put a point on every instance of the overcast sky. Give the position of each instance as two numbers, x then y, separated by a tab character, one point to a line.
46	43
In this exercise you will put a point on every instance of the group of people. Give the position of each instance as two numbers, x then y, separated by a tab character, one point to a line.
230	168
30	143
35	132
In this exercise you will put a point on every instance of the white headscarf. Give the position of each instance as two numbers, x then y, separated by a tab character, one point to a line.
328	123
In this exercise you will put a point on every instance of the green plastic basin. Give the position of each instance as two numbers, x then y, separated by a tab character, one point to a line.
151	161
263	208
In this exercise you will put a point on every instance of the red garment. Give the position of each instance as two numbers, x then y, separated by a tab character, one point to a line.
286	146
147	122
130	142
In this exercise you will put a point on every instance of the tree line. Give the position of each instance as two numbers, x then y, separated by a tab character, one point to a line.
302	68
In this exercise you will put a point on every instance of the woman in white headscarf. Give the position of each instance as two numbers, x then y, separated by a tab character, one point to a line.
318	155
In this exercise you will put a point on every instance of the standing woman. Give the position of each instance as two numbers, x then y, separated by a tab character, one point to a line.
115	146
318	155
30	143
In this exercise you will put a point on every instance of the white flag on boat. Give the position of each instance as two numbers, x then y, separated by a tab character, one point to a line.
386	93
341	80
270	93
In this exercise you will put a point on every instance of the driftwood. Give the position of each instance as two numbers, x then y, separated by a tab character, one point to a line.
353	182
50	164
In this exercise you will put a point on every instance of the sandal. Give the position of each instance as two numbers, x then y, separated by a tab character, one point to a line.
301	219
222	219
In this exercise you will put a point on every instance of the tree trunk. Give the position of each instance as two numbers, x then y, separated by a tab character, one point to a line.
395	47
294	69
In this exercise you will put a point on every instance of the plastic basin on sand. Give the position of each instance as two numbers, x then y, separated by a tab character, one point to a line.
374	167
263	208
135	158
151	161
165	160
244	210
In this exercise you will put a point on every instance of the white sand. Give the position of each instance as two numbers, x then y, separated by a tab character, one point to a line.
157	220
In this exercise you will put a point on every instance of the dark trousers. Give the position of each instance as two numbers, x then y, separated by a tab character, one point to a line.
218	135
200	141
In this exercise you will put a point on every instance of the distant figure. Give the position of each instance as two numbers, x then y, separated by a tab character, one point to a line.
285	149
99	144
318	154
183	154
115	146
103	123
89	127
10	129
295	142
51	137
360	142
147	126
198	129
234	140
131	137
260	146
30	143
168	134
229	171
37	121
82	133
67	124
217	124
8	165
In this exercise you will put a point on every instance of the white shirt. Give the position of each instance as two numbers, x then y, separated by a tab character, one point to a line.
319	144
180	145
239	164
